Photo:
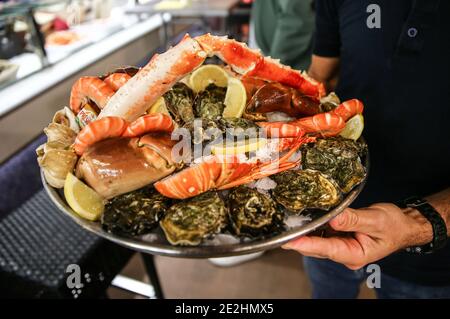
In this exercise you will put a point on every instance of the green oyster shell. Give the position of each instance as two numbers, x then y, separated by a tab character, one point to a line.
179	101
338	158
303	189
189	221
252	213
134	213
209	103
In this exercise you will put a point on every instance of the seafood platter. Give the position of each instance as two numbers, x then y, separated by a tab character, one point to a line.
209	150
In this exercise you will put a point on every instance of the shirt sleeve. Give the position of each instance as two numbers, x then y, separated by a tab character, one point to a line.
327	40
292	40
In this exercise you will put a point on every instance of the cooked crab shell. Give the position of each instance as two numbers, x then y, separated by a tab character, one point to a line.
188	222
134	213
253	213
338	158
301	189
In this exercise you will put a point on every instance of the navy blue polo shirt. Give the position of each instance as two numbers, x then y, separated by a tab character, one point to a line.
401	72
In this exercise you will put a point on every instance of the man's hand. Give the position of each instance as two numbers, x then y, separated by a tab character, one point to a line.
370	234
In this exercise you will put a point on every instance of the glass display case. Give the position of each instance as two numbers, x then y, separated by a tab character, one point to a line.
37	34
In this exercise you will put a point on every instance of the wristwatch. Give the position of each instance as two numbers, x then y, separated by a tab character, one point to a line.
438	224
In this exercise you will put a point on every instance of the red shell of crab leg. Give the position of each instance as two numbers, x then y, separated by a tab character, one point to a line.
157	122
155	79
271	70
99	130
250	62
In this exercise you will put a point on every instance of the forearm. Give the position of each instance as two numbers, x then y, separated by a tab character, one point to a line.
421	231
325	70
441	202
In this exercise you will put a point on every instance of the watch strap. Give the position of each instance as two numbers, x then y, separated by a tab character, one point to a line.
439	227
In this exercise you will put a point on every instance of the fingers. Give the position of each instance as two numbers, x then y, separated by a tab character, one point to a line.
346	251
351	220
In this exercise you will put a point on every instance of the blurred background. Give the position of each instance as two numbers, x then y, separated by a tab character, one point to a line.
44	47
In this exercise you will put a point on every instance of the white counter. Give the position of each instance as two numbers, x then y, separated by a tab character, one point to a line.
26	89
27	106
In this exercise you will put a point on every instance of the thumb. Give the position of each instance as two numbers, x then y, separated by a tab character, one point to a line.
353	220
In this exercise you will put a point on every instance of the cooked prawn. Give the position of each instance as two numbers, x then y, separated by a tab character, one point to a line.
89	88
99	130
157	122
117	80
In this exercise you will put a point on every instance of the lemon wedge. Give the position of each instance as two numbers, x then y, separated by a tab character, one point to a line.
353	128
240	147
83	199
158	107
235	98
206	75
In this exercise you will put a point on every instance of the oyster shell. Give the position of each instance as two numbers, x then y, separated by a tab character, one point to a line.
329	102
252	213
67	118
209	104
188	222
56	163
209	130
179	101
56	157
60	133
134	213
339	158
301	189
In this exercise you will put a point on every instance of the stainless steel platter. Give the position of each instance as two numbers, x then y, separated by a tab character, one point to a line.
156	244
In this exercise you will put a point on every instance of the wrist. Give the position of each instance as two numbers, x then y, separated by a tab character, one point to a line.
420	230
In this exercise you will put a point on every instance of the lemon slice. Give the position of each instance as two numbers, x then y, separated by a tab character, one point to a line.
206	75
158	107
235	98
353	128
83	199
240	147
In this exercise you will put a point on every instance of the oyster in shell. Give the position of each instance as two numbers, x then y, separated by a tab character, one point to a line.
56	157
339	158
329	102
67	118
179	101
253	213
301	189
209	104
188	222
134	213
